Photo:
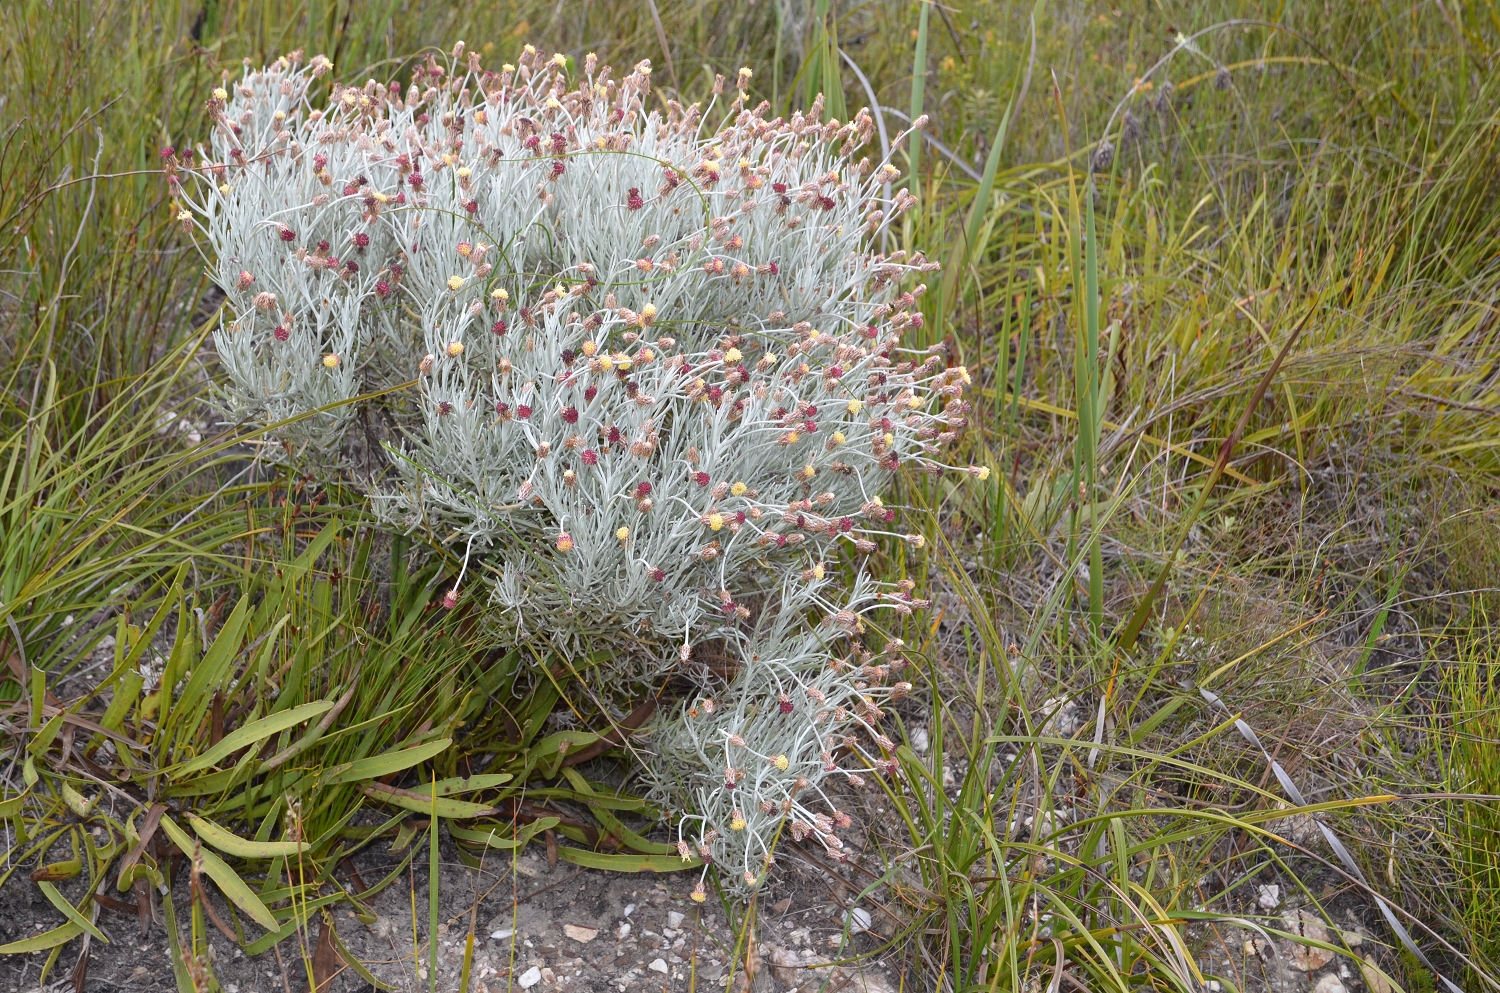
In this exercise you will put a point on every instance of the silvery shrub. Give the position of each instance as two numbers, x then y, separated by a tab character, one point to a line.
654	377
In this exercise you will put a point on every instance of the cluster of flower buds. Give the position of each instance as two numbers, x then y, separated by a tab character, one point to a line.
660	376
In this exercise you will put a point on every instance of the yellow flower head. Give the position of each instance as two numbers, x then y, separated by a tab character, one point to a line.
818	571
455	283
855	406
220	94
732	356
564	542
838	438
738	823
738	489
622	533
698	894
914	402
331	360
809	471
498	293
606	363
715	522
590	348
455	349
781	762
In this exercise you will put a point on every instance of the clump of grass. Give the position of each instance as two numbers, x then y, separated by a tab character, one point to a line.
1468	739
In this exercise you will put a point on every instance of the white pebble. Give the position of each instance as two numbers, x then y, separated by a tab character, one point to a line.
658	965
674	918
529	978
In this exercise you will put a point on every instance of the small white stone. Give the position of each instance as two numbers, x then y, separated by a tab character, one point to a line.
1329	984
1268	896
674	918
582	935
859	919
658	965
1308	958
502	934
624	931
629	909
529	978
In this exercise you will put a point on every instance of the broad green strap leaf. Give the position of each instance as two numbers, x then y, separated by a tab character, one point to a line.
383	765
144	639
188	713
55	897
613	824
491	838
251	733
232	844
442	806
11	806
296	917
43	739
42	942
468	784
354	962
228	881
627	863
